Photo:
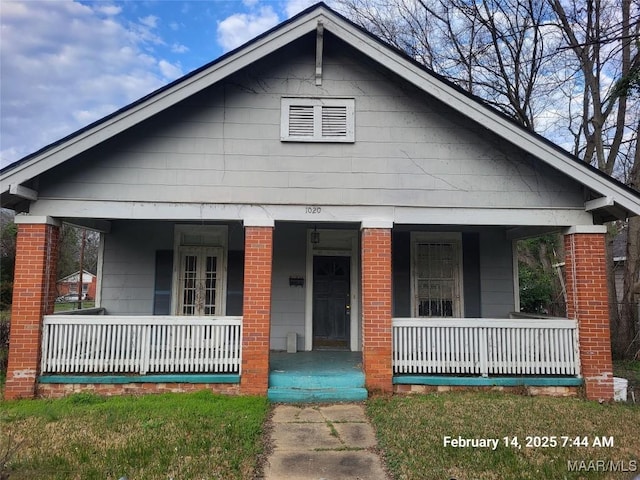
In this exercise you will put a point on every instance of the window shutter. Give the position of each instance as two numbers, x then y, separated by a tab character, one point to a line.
334	121
301	121
162	288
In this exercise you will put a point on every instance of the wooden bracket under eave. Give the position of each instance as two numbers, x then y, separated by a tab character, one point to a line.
319	43
23	192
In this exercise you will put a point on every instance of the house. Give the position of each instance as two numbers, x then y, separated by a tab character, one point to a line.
69	285
313	190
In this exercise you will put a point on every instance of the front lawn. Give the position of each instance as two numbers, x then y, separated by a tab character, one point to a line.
181	436
412	430
66	306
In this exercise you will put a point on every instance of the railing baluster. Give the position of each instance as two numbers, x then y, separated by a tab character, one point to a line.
483	340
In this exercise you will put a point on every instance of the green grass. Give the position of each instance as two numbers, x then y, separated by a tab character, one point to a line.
65	306
181	436
411	431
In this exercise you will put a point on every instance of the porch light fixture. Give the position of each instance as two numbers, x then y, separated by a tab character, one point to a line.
315	236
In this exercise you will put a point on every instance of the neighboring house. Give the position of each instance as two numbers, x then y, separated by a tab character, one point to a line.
69	285
314	184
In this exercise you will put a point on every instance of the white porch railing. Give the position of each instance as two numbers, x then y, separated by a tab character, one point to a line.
141	344
482	346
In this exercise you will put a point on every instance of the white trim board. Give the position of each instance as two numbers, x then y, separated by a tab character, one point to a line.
433	215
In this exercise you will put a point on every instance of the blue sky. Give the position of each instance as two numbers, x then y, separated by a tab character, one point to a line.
64	63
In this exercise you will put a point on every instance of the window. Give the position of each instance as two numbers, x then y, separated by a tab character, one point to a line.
199	282
318	120
436	273
200	270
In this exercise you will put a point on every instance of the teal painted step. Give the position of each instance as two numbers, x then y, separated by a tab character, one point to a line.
318	376
286	379
316	395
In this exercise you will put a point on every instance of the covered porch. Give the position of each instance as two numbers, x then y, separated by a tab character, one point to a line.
86	349
401	302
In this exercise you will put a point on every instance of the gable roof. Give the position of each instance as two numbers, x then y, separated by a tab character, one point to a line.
87	277
616	199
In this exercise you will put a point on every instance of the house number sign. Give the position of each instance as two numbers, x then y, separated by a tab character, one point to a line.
313	210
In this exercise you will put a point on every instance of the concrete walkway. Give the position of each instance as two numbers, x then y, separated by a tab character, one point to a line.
322	442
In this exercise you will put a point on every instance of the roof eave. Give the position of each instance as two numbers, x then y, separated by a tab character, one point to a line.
56	153
626	199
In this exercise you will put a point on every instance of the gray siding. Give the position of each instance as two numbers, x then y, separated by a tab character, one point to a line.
287	303
496	274
222	146
129	273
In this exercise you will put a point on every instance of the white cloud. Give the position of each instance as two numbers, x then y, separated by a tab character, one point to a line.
110	10
179	48
73	67
170	71
294	7
150	21
239	28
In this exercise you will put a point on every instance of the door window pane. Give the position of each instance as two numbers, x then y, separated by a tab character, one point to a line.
189	277
210	286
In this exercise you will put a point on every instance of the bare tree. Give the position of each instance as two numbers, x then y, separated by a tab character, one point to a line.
603	38
568	69
496	49
598	33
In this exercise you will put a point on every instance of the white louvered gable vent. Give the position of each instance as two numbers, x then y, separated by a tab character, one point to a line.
334	121
301	121
317	120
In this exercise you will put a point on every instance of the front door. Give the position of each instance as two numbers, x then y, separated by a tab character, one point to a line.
331	306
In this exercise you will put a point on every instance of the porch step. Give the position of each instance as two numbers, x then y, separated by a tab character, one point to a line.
316	377
316	395
289	379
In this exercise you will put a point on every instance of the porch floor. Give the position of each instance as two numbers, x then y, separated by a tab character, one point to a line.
317	376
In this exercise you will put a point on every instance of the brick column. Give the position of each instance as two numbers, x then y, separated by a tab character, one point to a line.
256	323
34	290
587	302
376	308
